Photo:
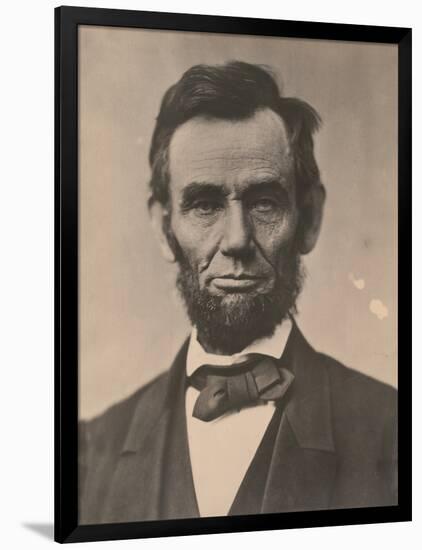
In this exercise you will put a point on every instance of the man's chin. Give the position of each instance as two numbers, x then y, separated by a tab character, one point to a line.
234	300
229	323
237	307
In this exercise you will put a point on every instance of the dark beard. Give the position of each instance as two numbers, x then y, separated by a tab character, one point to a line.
227	324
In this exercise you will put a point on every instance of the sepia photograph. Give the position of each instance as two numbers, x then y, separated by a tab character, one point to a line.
238	203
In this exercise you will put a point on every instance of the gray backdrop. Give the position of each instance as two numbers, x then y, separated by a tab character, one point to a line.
131	320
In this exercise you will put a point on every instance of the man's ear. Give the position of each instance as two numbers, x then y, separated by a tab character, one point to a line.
159	218
310	218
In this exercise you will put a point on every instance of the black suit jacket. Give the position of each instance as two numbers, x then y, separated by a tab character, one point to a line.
335	446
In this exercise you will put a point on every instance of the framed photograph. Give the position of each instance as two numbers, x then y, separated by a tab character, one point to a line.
232	274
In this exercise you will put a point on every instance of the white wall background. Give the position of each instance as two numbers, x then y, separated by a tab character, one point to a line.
26	277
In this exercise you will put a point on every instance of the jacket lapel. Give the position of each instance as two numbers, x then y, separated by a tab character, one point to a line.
136	486
303	463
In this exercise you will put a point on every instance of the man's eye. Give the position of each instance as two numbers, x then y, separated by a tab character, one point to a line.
206	207
264	205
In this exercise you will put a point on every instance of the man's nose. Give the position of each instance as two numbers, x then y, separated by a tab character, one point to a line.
237	232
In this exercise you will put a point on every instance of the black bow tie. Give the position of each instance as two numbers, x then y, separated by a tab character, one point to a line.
226	388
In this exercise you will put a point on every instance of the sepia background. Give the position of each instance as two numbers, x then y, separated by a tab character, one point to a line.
131	320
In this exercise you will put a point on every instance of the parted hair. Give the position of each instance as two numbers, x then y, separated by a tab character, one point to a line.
233	91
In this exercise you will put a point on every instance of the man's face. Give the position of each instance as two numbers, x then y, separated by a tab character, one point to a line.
233	226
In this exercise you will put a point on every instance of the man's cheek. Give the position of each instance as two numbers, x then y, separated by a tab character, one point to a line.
190	240
271	247
278	239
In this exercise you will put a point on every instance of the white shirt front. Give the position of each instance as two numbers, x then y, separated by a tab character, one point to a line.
221	450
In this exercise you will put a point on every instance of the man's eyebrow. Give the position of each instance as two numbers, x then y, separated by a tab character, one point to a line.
198	188
272	186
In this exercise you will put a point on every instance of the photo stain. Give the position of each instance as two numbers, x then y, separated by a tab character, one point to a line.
378	309
358	283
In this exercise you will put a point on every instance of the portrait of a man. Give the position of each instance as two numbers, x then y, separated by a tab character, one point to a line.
248	417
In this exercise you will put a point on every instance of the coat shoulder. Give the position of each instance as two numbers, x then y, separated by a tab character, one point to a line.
101	440
364	421
358	395
110	427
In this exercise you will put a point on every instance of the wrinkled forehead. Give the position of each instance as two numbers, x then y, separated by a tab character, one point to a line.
230	152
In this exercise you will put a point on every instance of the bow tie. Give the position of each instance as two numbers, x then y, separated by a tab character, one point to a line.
226	388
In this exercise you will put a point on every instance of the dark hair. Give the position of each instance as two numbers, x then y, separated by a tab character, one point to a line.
232	91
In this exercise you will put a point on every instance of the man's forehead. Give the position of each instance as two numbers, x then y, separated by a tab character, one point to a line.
220	151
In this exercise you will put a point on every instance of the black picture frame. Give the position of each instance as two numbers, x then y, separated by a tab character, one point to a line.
67	20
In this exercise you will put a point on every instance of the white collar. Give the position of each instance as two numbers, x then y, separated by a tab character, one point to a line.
272	346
